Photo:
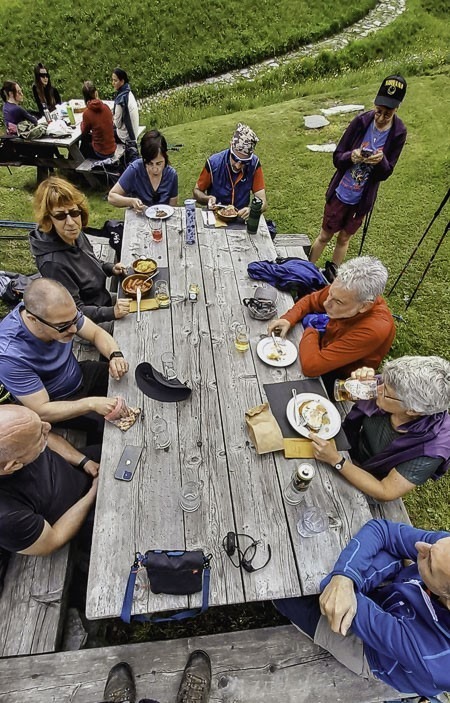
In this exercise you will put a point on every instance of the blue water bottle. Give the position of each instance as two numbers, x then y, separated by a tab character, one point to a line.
189	207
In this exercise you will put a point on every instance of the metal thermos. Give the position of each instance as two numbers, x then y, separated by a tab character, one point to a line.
189	207
47	115
255	214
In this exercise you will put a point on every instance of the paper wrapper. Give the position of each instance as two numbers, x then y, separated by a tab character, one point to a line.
300	448
123	416
263	429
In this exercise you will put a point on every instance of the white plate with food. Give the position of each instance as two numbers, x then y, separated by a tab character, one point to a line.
161	212
316	413
285	355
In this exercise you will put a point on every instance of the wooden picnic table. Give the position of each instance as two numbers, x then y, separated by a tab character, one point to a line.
242	490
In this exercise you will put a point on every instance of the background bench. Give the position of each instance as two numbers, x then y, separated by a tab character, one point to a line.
270	665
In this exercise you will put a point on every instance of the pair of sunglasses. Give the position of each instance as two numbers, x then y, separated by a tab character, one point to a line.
63	327
43	75
230	543
75	212
239	160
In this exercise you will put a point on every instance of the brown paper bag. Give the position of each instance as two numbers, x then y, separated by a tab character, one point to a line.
263	429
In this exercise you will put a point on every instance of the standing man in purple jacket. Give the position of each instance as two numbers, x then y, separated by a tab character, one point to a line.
366	154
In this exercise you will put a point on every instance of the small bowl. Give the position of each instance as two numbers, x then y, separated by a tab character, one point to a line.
148	266
128	284
223	216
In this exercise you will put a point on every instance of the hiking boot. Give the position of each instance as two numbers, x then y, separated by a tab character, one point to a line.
120	684
196	682
330	271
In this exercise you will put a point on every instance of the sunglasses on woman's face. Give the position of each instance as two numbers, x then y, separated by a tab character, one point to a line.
43	75
75	212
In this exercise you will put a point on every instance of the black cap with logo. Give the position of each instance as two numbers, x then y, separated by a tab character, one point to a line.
391	92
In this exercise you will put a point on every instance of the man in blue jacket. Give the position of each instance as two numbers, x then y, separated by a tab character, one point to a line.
380	616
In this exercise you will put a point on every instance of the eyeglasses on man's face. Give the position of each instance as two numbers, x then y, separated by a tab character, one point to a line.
63	215
239	159
60	328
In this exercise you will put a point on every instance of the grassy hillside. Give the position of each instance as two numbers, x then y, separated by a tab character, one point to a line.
160	43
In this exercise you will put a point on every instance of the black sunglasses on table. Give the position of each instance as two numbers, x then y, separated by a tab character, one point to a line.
63	327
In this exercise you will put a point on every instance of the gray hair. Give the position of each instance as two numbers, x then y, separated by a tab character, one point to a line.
422	383
43	293
365	275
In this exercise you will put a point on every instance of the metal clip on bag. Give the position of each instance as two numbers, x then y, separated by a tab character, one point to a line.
177	573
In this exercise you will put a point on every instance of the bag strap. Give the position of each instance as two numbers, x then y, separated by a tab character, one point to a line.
126	616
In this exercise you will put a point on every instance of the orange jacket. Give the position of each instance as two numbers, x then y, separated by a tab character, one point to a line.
347	344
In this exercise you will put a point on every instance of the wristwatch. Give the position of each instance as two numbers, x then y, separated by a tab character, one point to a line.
115	354
81	464
340	465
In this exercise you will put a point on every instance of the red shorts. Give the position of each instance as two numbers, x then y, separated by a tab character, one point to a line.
338	216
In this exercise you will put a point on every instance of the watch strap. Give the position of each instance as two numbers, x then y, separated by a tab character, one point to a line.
115	354
340	464
83	462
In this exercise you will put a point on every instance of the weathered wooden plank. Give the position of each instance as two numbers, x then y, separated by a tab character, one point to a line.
292	240
254	485
255	666
32	603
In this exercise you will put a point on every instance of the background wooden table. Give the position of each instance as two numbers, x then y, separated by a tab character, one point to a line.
242	490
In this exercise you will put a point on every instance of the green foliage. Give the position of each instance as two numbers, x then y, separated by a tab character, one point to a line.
164	43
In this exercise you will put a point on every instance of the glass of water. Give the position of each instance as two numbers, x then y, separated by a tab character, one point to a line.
161	437
191	496
312	521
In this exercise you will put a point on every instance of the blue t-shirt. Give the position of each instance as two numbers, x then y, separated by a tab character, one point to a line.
352	184
27	364
136	184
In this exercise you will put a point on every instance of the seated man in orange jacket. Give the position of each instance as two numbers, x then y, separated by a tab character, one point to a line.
360	330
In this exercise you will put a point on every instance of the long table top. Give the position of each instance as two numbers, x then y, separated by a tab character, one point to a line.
242	490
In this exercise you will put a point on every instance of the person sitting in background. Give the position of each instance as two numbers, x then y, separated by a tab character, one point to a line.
126	113
360	330
384	608
45	95
63	252
13	113
38	366
402	438
98	123
47	487
150	180
231	175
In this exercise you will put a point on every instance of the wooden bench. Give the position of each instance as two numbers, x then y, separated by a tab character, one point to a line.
292	245
32	605
270	665
95	177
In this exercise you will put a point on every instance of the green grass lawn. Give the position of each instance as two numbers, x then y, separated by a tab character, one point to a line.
160	43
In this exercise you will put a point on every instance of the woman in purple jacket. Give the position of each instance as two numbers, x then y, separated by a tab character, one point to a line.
13	112
366	154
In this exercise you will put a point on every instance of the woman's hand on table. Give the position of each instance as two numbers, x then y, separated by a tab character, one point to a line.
363	374
280	327
121	308
244	213
137	205
324	450
119	269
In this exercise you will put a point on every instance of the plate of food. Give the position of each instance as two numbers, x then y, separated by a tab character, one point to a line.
284	355
143	265
310	412
227	214
130	284
161	212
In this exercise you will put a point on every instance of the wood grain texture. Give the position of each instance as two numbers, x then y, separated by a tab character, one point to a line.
256	666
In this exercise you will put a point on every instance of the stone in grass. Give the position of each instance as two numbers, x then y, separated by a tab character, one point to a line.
340	109
322	147
315	121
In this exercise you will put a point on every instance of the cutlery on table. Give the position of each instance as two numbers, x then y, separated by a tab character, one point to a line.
276	343
138	302
299	421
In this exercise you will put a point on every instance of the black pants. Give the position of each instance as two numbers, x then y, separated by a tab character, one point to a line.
95	383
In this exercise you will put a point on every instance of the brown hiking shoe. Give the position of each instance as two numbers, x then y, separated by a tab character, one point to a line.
120	684
196	682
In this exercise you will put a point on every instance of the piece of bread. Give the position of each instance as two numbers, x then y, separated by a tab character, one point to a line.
313	413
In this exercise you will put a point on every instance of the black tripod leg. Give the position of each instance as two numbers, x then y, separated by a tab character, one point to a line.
428	265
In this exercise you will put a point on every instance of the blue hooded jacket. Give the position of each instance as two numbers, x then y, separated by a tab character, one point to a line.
406	633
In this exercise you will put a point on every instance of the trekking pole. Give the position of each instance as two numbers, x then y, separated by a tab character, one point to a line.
436	214
428	265
365	228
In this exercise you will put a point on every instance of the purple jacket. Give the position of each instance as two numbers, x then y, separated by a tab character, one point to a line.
428	435
352	139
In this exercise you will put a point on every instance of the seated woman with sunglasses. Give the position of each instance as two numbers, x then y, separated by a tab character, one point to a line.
149	180
402	438
63	252
45	95
231	175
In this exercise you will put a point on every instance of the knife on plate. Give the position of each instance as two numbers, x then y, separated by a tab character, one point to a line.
138	303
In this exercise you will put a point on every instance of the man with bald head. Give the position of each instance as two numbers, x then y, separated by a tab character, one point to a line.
384	611
37	364
44	500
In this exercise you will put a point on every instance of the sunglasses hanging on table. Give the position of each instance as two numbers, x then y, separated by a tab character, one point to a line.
245	557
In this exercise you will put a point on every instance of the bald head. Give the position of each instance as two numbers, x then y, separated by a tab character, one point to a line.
23	436
43	294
